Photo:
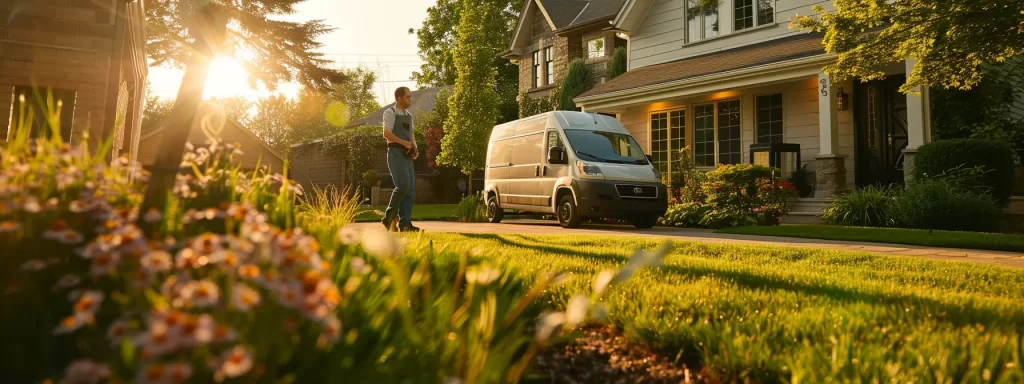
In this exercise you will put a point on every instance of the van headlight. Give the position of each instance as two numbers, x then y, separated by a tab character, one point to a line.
587	169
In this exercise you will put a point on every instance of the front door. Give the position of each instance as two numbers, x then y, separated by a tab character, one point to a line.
880	128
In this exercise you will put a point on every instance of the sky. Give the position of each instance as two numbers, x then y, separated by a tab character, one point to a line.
371	33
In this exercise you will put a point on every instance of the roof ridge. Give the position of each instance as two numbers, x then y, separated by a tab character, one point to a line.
581	12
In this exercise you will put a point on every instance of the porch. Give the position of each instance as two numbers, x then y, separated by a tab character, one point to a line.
849	133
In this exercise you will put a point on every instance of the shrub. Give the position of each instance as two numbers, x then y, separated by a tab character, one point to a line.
938	157
865	207
618	65
936	204
730	195
471	209
576	81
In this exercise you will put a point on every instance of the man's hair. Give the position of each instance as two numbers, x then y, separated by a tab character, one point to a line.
401	92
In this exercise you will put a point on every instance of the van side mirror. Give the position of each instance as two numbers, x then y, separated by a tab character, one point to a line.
556	155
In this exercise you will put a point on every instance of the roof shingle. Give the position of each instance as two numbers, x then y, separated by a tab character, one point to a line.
773	51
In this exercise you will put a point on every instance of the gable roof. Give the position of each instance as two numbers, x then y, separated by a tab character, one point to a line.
768	52
563	15
422	102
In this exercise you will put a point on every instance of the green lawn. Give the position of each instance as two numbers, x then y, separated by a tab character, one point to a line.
944	239
420	212
775	314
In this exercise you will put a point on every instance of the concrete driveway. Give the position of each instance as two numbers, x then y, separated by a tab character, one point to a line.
542	227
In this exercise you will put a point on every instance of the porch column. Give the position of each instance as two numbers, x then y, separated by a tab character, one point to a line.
918	124
831	167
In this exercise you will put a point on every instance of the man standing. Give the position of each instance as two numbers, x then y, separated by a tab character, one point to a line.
402	150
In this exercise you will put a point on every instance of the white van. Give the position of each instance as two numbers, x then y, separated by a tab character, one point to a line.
572	164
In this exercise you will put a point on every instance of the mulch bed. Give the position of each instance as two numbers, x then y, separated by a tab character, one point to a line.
601	355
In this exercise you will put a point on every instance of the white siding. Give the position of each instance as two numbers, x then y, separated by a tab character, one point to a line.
661	37
800	119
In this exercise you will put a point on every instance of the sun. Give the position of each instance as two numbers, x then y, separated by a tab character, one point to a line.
226	78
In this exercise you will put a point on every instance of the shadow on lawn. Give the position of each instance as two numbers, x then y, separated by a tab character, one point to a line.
922	308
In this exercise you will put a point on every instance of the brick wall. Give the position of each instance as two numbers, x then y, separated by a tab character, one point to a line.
63	44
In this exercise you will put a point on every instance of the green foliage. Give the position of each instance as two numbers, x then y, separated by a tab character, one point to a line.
866	207
474	104
154	111
729	196
942	35
471	209
801	181
619	63
326	211
935	204
371	178
529	106
575	82
764	314
996	158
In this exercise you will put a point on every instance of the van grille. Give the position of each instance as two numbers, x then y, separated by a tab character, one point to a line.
627	191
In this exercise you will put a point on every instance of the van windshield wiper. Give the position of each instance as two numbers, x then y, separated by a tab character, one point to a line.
601	158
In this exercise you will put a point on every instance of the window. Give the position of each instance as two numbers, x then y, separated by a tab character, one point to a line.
751	13
549	57
729	132
769	119
668	136
31	108
704	135
536	69
595	48
701	19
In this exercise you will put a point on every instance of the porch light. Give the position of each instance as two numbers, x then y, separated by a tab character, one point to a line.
841	100
621	35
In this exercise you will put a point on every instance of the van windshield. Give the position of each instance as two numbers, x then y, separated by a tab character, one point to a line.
605	147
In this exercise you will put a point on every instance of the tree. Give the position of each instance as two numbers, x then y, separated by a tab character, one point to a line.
438	39
474	103
273	121
155	111
190	33
357	93
238	108
950	39
618	65
576	82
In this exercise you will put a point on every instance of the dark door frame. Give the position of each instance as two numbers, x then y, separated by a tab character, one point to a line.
879	162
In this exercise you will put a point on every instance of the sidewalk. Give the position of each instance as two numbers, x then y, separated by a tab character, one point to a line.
539	227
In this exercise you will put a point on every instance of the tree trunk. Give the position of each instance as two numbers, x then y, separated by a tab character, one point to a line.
210	28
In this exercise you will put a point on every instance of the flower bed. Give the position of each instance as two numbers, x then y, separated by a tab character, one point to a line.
729	196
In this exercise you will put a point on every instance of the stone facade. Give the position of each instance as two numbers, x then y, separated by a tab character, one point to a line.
830	176
908	165
91	50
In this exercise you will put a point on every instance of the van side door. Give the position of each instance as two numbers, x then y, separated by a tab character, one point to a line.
497	172
524	174
550	173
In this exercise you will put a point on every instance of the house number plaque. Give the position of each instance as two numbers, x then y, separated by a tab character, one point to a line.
824	87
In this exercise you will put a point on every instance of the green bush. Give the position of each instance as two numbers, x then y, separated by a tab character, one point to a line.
576	81
936	204
729	196
471	209
941	156
865	207
618	65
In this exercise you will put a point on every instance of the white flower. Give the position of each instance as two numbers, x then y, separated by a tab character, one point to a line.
482	275
577	309
201	294
152	215
67	281
348	236
603	279
85	372
33	265
549	321
156	261
381	244
164	373
243	297
359	266
104	263
235	362
32	205
118	331
156	341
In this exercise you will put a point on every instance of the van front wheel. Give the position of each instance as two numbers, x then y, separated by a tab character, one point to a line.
494	211
568	215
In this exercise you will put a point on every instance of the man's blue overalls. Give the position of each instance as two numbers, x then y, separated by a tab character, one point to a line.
401	166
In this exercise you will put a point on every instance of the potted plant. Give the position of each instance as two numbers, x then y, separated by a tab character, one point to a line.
799	179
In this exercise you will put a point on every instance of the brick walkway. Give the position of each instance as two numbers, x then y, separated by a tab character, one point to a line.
537	227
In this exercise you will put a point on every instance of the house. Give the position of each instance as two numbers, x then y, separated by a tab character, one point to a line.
719	76
87	56
210	121
552	33
315	164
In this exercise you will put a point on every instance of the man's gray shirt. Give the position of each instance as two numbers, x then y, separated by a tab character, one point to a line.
389	118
